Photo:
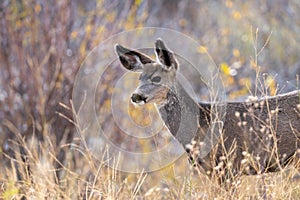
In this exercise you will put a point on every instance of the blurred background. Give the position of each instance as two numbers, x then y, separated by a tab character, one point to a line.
43	43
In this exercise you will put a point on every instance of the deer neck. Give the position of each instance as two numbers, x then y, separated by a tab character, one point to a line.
180	114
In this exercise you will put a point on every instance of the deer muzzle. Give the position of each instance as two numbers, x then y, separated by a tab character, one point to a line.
138	98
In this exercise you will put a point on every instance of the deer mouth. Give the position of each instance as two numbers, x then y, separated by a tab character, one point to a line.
139	99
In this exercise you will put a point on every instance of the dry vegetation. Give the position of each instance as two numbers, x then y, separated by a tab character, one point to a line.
43	43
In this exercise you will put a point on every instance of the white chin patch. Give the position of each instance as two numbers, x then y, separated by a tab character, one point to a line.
139	103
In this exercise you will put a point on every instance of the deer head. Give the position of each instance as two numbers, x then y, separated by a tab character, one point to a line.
157	76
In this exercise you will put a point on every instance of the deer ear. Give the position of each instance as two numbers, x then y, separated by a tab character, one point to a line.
164	55
130	59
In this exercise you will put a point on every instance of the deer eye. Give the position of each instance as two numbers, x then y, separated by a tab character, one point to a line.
156	79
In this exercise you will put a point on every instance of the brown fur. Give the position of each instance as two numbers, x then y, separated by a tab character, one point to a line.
258	136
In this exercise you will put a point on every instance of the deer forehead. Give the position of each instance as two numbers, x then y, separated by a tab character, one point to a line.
151	69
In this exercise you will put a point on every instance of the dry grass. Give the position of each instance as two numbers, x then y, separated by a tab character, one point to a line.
42	44
33	173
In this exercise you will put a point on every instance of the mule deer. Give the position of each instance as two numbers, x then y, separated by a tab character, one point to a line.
257	136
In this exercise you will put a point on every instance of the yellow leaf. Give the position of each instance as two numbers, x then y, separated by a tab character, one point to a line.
18	24
229	4
225	68
37	8
237	15
110	17
239	93
246	82
11	192
253	64
74	34
138	2
182	22
202	49
82	49
100	29
236	53
230	80
271	84
88	28
225	31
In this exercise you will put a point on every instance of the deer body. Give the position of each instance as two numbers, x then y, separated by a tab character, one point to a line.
247	126
267	130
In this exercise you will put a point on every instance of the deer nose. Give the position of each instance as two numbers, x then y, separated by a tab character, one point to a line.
137	98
